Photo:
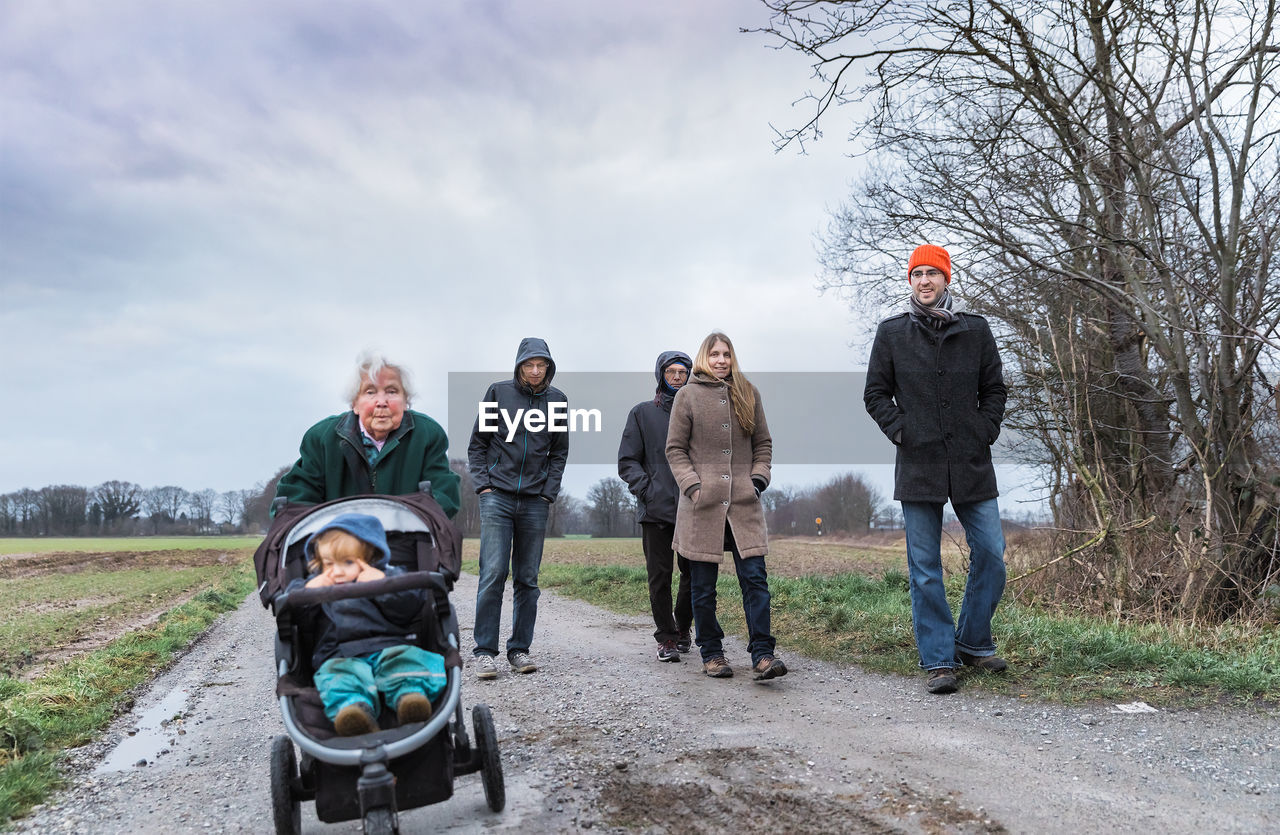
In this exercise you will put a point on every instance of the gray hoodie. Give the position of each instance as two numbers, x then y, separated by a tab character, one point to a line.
531	463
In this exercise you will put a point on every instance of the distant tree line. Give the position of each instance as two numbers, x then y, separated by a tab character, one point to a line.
846	504
123	508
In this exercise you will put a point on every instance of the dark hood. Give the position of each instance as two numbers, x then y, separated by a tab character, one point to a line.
531	347
667	358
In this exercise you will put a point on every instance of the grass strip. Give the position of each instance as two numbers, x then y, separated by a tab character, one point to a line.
138	544
851	618
74	701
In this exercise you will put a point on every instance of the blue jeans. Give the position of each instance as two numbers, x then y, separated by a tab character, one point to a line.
938	637
391	672
754	582
512	528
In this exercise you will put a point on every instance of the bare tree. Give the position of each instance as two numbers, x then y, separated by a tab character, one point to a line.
1109	176
231	506
565	516
607	507
164	505
201	504
468	516
63	509
119	501
845	503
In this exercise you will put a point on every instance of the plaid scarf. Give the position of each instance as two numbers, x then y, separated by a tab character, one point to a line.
938	315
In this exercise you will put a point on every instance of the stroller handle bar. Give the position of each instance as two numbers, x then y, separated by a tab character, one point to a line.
303	597
357	756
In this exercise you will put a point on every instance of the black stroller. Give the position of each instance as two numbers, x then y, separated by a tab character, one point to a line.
376	775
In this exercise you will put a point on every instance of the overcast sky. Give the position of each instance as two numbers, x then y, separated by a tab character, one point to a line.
208	209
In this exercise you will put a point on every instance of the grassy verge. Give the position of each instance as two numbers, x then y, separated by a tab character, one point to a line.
74	700
866	620
88	602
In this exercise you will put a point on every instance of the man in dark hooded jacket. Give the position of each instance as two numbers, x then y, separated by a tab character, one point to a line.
517	454
642	464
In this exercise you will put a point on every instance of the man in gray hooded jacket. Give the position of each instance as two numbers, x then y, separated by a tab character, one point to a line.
516	456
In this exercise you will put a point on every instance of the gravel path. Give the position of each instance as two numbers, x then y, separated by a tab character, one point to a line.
605	739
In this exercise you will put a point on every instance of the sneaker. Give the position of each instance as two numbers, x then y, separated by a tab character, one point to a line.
717	667
769	667
989	663
485	668
683	644
521	662
667	651
413	707
355	719
942	681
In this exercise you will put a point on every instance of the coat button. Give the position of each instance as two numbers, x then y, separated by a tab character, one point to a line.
940	372
724	503
946	404
946	437
724	426
725	477
722	402
728	452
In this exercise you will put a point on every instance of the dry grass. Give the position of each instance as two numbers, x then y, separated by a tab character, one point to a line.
789	556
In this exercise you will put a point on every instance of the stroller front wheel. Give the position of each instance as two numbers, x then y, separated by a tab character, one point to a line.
285	806
380	821
495	791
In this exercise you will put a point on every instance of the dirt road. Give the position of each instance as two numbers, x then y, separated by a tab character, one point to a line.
606	739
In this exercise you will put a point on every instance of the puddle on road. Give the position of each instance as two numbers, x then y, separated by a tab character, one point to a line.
151	737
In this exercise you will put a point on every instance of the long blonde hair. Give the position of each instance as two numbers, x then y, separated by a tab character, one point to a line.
741	392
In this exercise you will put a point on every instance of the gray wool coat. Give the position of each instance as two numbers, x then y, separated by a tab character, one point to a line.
707	446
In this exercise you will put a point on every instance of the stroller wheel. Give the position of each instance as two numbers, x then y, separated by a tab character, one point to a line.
380	821
495	791
285	807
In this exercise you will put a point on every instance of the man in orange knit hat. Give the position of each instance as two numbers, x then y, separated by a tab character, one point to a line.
936	389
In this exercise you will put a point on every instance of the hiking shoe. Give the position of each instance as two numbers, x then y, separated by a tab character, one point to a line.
683	644
989	663
942	681
521	662
717	667
667	651
485	668
413	707
768	667
355	719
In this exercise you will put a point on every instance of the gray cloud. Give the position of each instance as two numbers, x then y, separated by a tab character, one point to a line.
207	209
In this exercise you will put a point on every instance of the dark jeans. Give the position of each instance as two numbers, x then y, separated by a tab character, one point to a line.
658	558
754	582
511	533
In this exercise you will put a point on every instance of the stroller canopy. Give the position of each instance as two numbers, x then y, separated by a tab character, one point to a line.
416	513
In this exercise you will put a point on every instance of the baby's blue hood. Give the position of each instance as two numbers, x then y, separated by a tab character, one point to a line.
364	528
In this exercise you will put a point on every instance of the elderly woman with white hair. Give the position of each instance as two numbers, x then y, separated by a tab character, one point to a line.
378	446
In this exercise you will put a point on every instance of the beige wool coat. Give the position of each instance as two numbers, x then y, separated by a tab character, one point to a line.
707	446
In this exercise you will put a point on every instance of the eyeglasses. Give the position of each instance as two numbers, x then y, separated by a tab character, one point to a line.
676	371
927	274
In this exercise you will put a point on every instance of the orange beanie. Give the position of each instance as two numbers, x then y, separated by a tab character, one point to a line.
928	255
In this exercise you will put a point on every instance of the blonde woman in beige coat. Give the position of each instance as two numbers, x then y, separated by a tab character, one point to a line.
720	451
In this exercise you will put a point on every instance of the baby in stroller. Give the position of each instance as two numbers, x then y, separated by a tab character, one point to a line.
353	615
363	652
